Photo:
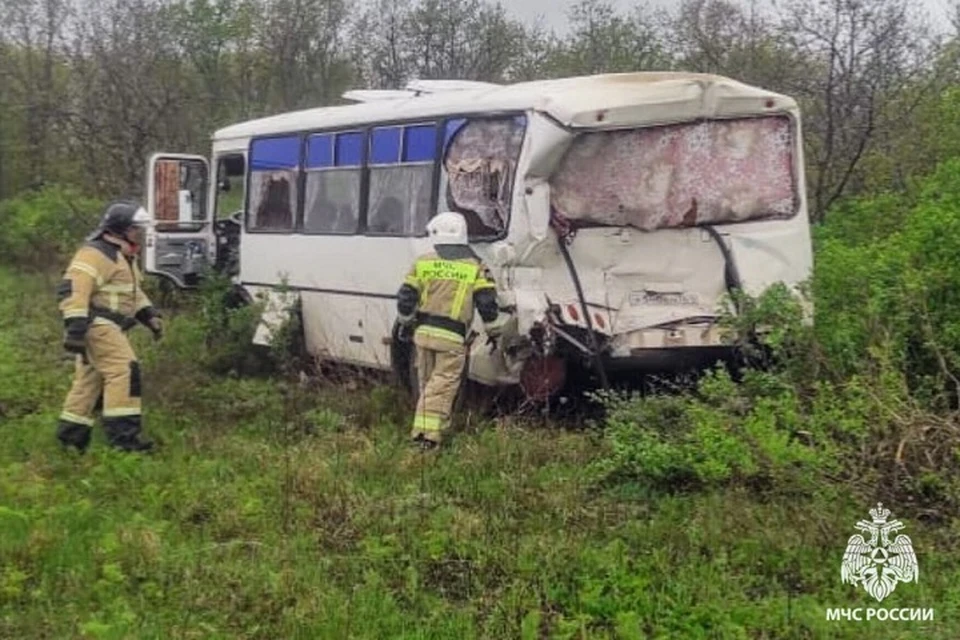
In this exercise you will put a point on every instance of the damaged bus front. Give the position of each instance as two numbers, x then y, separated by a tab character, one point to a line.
629	225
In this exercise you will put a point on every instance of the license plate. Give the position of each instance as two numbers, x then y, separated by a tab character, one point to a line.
661	298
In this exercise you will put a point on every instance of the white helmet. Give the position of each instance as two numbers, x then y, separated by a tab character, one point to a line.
141	218
447	228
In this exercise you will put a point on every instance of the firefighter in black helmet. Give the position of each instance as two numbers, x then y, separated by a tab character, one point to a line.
101	298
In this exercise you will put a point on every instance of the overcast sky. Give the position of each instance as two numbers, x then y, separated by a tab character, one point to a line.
554	12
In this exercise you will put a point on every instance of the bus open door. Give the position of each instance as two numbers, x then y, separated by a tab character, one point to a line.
180	241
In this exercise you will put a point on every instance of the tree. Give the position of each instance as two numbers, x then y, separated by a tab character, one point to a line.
129	94
380	54
303	54
869	64
33	31
602	41
717	36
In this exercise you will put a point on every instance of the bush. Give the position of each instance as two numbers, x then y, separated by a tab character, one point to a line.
43	228
754	433
228	325
895	291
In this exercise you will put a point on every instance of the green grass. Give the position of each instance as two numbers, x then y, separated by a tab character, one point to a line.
282	511
230	202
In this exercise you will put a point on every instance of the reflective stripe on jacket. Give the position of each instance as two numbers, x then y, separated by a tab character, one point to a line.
102	285
447	290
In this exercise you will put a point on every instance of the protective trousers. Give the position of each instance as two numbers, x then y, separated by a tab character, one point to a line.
439	373
110	368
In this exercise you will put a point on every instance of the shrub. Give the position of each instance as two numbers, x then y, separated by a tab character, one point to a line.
754	433
228	325
896	292
42	228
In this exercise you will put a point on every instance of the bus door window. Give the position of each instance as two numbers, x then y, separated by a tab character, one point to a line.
230	185
180	201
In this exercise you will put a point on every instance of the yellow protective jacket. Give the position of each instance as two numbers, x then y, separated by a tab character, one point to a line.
102	286
442	290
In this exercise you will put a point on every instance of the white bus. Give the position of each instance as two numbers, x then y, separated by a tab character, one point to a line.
615	212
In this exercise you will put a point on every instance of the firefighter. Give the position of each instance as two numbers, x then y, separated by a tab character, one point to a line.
101	298
437	300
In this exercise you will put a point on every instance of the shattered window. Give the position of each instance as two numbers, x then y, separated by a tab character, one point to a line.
679	176
401	179
274	169
332	186
480	165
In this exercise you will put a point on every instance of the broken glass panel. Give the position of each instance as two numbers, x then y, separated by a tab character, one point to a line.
480	163
679	176
274	173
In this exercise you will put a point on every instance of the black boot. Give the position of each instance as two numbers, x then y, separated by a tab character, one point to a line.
124	433
422	443
72	434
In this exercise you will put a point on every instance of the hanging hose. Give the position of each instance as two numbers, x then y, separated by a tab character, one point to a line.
733	284
731	275
594	346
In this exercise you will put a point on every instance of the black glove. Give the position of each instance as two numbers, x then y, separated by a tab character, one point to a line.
150	318
156	326
75	335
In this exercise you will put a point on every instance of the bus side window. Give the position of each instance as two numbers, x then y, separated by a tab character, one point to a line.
401	179
334	166
274	172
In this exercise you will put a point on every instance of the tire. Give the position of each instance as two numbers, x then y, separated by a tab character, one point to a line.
237	297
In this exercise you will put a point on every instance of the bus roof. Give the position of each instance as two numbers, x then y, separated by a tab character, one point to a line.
605	101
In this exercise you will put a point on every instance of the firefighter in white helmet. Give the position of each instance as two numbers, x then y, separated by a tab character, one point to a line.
438	298
101	297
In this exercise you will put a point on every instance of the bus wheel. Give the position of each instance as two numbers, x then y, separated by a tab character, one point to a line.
543	377
236	298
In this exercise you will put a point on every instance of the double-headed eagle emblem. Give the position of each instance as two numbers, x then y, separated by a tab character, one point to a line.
879	564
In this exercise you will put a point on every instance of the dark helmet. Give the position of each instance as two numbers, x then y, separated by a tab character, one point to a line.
119	217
